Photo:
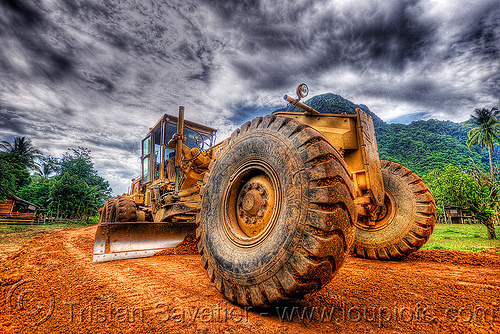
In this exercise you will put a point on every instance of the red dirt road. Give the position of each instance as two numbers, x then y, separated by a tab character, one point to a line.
51	285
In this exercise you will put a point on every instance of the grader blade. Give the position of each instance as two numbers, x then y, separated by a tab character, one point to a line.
131	240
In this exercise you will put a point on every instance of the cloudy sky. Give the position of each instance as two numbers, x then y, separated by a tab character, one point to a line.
97	73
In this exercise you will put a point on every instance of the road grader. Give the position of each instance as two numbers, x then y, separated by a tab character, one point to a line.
276	208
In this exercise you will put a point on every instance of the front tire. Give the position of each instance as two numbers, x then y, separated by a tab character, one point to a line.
406	221
277	215
124	209
105	211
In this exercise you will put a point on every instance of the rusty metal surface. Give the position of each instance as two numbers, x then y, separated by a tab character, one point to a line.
251	203
340	130
176	209
129	240
255	205
301	105
371	160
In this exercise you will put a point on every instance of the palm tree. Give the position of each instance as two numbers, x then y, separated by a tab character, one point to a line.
22	150
486	130
45	167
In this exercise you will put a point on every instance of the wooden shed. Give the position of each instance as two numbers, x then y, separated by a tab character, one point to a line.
459	215
15	210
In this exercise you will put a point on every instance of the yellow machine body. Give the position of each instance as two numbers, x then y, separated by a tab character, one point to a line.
174	163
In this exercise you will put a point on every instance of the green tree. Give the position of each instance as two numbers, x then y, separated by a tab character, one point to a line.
12	175
38	192
72	198
67	196
68	187
45	167
486	130
8	180
79	162
472	189
77	190
15	160
22	151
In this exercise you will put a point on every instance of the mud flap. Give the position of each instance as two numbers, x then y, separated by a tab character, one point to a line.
131	240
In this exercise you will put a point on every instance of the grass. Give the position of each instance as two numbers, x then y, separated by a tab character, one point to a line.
16	228
463	237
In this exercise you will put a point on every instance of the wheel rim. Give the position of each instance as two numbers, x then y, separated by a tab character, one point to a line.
380	218
251	204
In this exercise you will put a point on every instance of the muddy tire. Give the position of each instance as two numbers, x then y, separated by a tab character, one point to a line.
277	216
105	211
124	209
407	222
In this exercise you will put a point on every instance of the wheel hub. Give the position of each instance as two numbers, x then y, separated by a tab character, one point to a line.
378	218
252	202
254	205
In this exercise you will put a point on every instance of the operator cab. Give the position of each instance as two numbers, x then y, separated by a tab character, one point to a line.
157	158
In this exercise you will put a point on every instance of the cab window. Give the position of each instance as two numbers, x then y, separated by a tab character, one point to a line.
157	150
193	138
146	160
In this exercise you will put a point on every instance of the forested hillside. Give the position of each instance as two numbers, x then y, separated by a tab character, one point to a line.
424	146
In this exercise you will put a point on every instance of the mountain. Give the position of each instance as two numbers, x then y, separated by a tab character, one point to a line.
421	146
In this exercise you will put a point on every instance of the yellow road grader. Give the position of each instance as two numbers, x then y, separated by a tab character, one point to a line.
276	207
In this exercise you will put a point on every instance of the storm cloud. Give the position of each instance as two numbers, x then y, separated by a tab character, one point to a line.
97	73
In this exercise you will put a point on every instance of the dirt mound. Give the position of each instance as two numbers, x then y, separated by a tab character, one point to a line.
492	250
188	246
484	259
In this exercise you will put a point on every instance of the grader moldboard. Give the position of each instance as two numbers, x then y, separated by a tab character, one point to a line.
276	207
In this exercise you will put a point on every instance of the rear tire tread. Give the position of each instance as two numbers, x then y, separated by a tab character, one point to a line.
423	222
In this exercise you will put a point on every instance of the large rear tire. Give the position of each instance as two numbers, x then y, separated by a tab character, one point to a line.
406	221
277	216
